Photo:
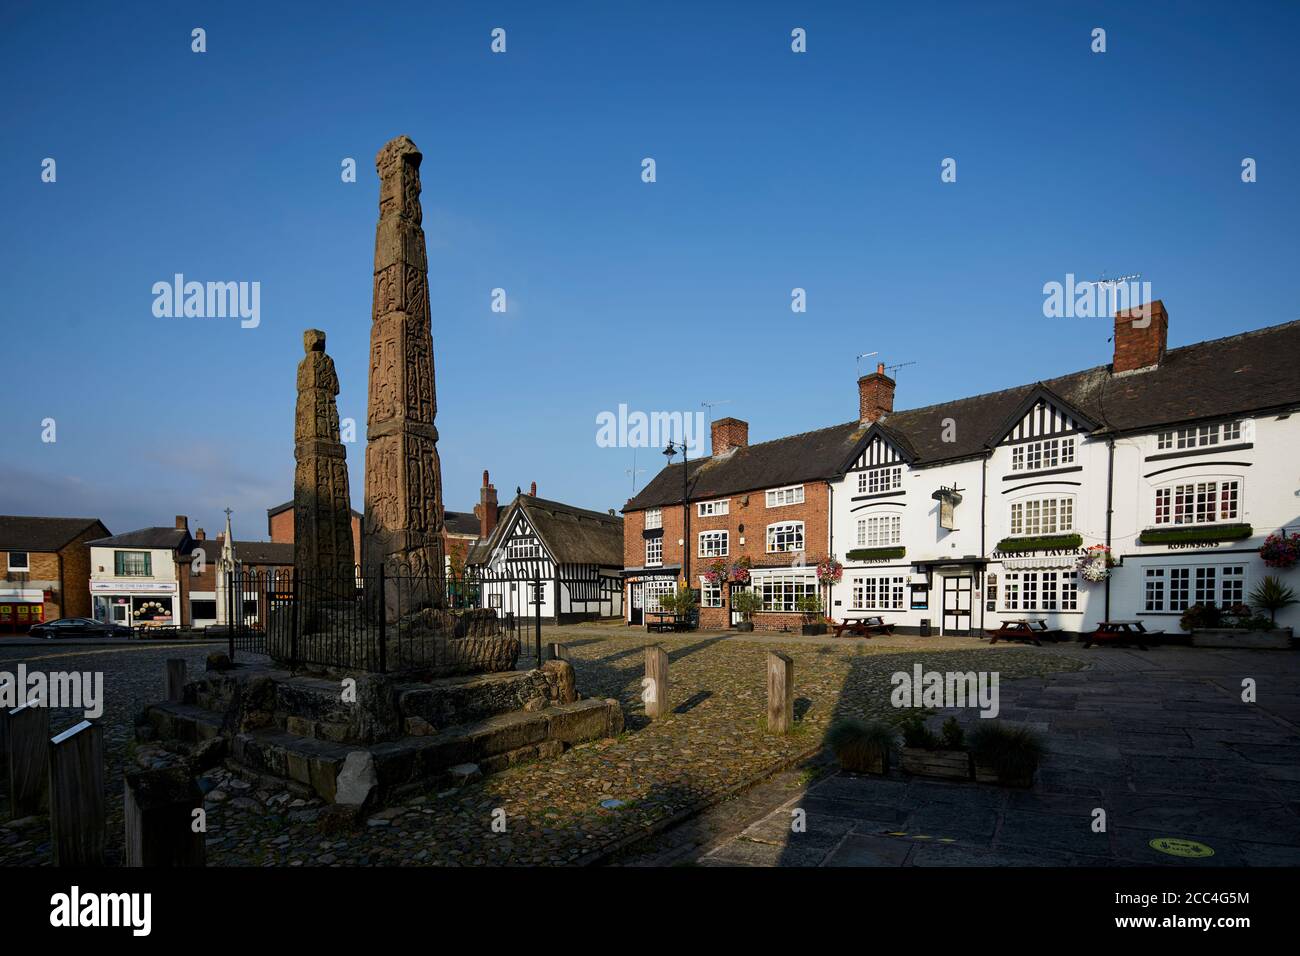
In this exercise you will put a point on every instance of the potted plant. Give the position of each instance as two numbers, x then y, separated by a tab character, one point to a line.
745	602
810	606
1238	626
928	755
861	746
1005	754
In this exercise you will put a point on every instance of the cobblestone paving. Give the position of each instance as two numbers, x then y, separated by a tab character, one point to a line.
713	741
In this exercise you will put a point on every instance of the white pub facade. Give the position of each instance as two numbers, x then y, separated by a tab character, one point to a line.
956	517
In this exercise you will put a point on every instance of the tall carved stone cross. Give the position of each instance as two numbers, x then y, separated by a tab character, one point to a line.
403	521
322	504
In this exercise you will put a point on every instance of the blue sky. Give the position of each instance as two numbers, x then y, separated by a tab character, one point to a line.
774	171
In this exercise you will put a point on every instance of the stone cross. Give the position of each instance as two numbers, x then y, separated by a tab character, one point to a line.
403	520
322	504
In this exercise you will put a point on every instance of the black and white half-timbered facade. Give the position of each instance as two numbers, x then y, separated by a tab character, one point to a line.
958	516
544	553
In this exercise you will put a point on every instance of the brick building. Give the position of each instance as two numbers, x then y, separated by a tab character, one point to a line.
767	505
46	569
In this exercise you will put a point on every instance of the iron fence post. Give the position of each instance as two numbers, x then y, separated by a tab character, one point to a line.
383	622
293	627
230	612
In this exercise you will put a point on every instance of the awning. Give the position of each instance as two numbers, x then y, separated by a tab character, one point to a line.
1054	563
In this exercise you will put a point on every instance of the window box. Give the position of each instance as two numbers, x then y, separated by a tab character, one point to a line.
872	554
1219	532
1051	542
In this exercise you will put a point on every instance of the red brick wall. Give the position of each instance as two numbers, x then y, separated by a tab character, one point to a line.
282	531
1140	347
755	517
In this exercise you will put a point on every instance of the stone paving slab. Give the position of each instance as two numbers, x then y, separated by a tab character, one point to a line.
1163	744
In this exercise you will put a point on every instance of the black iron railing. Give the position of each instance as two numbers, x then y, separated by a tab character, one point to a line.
382	622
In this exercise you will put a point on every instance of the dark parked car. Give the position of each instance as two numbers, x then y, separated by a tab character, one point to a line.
78	627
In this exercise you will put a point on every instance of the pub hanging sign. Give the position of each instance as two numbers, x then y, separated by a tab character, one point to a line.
949	499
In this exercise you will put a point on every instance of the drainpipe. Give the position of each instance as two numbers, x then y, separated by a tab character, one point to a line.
1110	500
984	481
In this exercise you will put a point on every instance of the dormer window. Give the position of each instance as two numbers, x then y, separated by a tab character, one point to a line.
1037	455
1198	436
880	480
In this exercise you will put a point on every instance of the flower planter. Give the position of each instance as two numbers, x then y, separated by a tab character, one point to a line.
1277	639
811	629
985	774
744	626
949	764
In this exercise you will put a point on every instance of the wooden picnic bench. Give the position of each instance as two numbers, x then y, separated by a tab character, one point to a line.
1120	632
863	626
1023	629
661	621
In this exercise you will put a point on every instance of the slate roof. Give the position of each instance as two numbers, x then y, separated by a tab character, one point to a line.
22	533
263	552
572	535
1251	372
272	512
168	538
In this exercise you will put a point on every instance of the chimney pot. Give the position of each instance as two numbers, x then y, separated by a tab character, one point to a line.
485	478
875	396
200	535
1141	334
532	489
729	433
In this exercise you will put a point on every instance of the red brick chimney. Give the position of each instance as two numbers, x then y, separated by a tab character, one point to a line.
200	535
486	509
729	433
875	396
182	523
1141	334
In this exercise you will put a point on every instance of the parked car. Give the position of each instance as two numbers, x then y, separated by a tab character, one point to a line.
78	627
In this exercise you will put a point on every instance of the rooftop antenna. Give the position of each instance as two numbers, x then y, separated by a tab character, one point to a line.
633	472
1110	285
859	359
709	406
894	368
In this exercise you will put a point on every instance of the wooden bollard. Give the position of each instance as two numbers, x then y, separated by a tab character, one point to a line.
29	758
780	693
77	811
655	686
176	680
557	652
158	806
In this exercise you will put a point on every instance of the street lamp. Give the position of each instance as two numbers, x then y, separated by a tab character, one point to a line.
669	451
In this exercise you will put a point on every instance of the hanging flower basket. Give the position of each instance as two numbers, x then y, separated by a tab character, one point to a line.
715	571
1096	564
830	571
739	572
1280	550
